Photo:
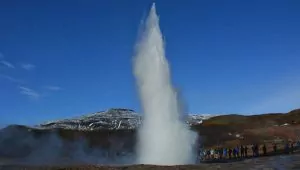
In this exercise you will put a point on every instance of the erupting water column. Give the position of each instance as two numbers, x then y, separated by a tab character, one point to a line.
163	139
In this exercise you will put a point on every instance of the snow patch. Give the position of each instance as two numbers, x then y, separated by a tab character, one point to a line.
112	119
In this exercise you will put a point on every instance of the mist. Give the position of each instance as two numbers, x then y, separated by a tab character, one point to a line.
30	147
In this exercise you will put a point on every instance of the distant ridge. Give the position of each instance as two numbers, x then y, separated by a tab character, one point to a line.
114	118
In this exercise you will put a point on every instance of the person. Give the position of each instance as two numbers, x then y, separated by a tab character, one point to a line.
216	156
221	153
217	153
292	147
234	152
225	153
204	154
208	154
264	149
199	154
246	151
286	148
274	148
237	151
242	151
256	150
229	153
253	150
297	144
212	153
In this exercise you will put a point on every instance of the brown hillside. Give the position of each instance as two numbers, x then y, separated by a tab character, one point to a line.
235	129
227	130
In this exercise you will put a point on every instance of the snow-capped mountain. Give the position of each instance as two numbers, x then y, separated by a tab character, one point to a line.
110	119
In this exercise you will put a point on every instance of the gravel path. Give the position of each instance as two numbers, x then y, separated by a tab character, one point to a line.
282	162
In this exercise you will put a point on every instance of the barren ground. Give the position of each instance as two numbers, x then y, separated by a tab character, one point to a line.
269	163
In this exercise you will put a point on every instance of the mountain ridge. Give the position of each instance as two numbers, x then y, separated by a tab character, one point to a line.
114	118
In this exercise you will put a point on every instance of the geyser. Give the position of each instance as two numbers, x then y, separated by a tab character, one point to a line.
163	138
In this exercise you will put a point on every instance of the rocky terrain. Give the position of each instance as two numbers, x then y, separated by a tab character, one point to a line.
112	119
109	137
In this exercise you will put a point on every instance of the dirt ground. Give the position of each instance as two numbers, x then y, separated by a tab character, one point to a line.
280	162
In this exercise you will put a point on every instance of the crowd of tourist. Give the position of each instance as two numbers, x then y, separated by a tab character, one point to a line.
245	151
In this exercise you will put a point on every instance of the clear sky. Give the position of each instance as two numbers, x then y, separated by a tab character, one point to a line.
64	58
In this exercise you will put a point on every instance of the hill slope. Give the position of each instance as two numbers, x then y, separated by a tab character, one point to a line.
112	134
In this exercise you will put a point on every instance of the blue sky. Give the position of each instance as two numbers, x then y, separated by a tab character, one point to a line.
64	58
